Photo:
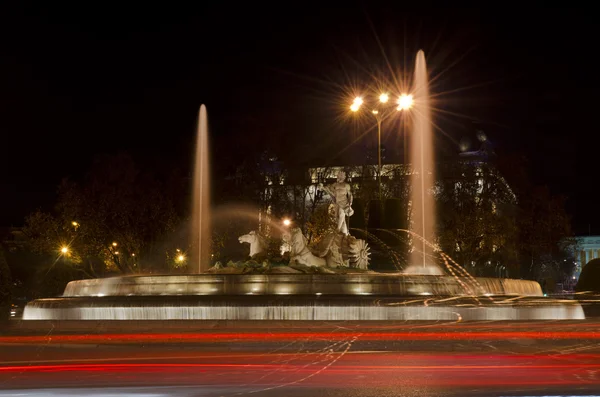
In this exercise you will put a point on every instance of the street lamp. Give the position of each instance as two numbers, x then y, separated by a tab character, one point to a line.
356	104
404	102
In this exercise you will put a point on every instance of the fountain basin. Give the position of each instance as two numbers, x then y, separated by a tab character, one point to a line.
301	307
362	296
300	284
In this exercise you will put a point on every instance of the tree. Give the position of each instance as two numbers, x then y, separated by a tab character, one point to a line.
279	191
546	240
546	244
321	222
476	217
589	280
116	220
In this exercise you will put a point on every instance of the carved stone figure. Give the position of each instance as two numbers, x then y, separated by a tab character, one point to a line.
342	250
335	250
300	252
341	195
256	241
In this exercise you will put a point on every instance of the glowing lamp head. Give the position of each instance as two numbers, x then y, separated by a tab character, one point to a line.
405	102
356	104
64	249
114	244
383	98
180	258
287	222
375	111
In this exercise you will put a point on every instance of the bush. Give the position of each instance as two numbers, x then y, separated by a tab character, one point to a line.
5	288
589	280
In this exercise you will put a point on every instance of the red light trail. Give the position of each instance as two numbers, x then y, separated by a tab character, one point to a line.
284	336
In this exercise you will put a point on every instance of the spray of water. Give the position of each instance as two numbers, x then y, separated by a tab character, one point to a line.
422	159
391	254
201	229
436	256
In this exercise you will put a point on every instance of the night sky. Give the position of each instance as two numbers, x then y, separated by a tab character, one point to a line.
75	82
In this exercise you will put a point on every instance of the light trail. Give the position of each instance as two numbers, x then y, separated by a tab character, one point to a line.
281	336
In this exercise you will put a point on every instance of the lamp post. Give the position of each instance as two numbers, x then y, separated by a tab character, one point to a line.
404	102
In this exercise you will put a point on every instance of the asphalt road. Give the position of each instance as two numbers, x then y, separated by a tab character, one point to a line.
297	359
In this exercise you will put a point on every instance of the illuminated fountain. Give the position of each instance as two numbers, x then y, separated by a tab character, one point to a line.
422	178
328	282
201	229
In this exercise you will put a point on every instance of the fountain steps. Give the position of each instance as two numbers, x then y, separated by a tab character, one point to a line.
301	307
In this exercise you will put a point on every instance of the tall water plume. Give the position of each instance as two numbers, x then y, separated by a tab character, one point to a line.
422	160
201	230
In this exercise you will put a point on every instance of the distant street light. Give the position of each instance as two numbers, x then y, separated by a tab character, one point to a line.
64	249
286	222
356	104
180	258
405	102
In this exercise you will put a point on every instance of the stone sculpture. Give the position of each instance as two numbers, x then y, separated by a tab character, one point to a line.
341	195
335	250
300	252
256	241
342	250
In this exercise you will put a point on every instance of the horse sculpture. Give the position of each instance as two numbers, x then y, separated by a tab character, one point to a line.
299	251
257	242
335	250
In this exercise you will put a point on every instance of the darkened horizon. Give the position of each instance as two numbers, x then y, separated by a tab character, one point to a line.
78	82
